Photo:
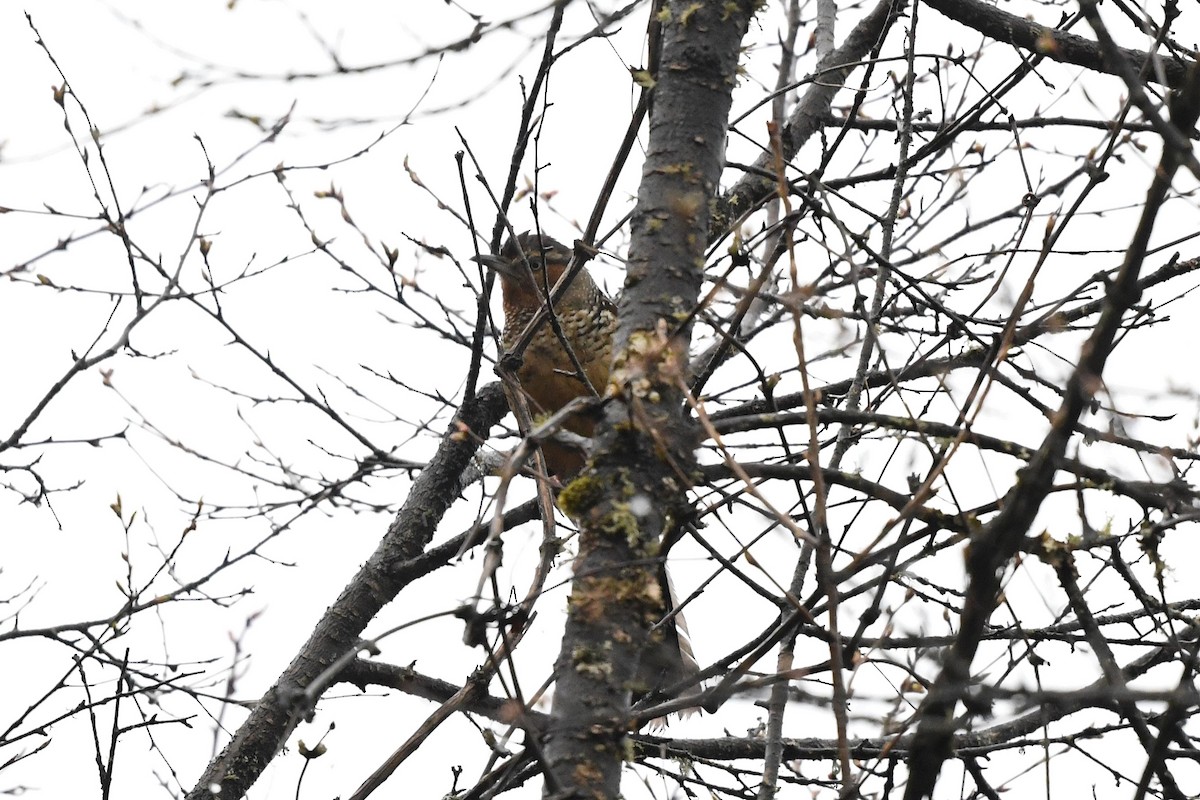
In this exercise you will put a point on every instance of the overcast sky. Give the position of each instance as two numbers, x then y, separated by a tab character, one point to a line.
172	87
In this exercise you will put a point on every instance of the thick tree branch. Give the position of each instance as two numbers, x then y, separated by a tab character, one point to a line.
998	541
1069	48
635	489
807	118
274	716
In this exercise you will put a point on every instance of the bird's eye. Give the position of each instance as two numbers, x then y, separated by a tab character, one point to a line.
537	262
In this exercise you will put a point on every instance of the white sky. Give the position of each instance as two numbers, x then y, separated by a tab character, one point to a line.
300	312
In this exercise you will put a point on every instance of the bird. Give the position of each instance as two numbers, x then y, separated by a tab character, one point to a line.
529	265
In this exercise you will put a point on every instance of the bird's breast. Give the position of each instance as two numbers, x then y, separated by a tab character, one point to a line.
547	374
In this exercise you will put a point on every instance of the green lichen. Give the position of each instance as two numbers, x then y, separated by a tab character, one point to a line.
687	13
589	662
620	521
685	168
643	78
580	495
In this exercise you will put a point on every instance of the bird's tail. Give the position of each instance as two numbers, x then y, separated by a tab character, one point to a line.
676	661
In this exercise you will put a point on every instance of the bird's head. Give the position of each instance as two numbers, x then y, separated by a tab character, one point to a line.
528	265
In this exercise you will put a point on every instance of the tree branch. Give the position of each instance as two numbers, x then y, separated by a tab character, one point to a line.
275	715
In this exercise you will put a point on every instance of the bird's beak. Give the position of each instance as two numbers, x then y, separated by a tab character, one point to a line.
497	263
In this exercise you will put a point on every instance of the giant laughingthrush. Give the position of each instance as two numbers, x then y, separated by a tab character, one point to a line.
529	266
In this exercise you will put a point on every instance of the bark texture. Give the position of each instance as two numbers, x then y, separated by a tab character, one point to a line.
274	716
635	487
